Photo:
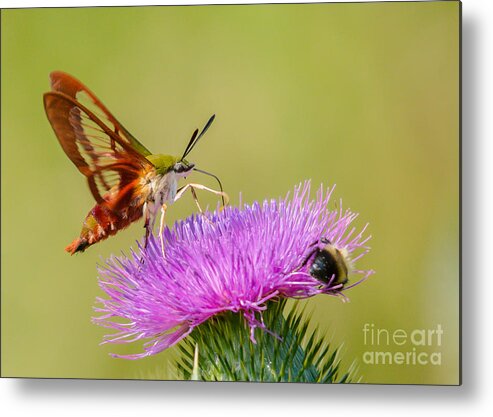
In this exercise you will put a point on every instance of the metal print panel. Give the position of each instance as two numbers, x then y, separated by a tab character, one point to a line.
263	193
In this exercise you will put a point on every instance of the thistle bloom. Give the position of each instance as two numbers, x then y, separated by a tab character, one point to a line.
235	260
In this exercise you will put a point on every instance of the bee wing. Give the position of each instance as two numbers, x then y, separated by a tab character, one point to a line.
105	155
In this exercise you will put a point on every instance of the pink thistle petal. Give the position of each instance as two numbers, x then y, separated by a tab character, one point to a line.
236	261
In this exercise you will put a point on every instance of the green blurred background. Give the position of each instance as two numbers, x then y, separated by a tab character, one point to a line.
361	95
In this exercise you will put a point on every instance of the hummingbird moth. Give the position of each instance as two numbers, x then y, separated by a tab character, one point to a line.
126	180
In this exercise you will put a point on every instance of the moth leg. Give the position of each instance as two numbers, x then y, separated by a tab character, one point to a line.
147	224
192	188
164	207
196	200
182	190
194	195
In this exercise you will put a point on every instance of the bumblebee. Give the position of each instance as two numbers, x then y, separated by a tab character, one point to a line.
330	265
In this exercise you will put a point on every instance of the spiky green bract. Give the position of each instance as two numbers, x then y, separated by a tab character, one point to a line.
289	354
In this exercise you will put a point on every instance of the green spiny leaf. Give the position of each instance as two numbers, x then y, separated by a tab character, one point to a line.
289	354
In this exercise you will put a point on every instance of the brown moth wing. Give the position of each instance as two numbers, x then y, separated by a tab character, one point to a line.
112	160
72	87
97	151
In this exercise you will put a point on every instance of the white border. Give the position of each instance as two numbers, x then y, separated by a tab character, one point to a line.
79	3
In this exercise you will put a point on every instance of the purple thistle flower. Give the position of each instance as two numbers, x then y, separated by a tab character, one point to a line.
235	260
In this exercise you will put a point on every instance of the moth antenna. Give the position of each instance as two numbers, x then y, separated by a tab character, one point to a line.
188	149
195	138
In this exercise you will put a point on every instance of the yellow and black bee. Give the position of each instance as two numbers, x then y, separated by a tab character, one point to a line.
330	265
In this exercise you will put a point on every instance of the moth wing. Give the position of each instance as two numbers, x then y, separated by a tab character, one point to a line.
72	87
109	161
